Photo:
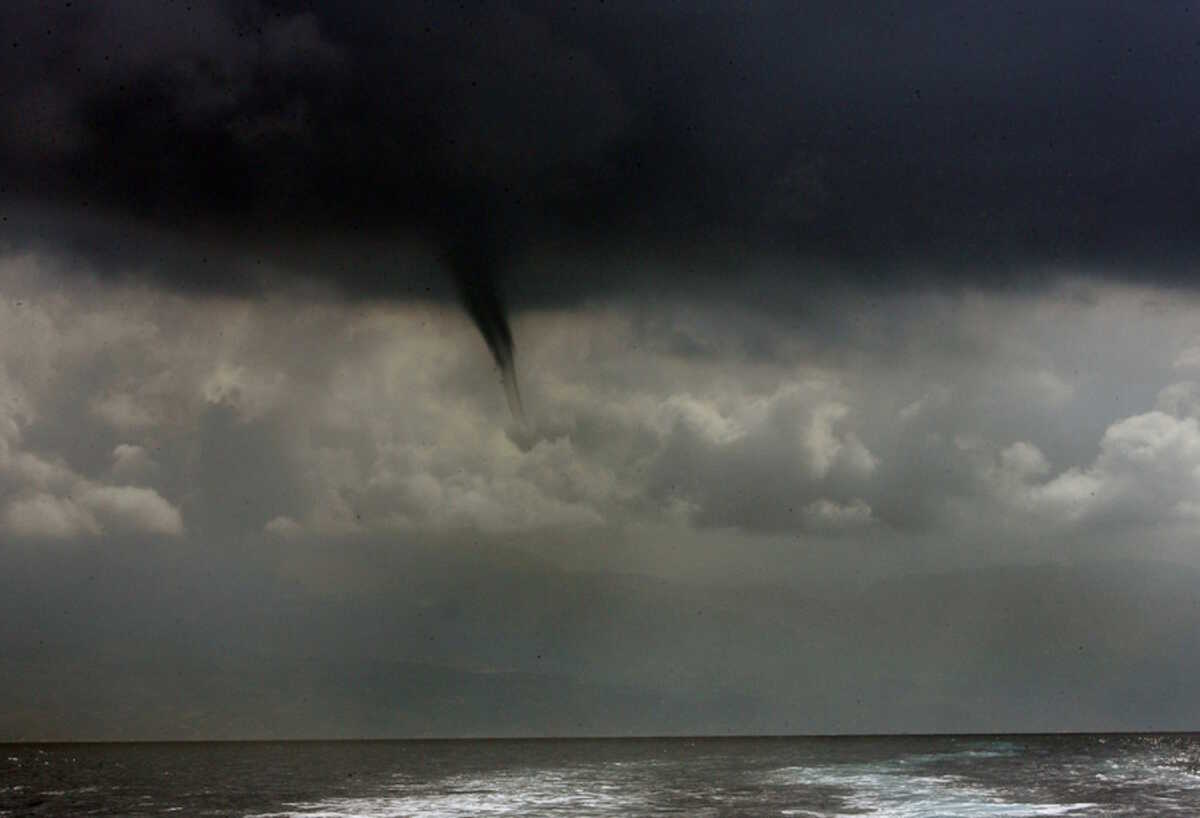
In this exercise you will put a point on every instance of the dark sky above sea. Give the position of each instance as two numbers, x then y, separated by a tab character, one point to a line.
529	367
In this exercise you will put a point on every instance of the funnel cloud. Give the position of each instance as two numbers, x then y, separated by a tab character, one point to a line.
482	303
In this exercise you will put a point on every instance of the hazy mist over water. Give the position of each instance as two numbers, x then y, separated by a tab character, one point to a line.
898	777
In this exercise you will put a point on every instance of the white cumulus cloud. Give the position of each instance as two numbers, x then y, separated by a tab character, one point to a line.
132	508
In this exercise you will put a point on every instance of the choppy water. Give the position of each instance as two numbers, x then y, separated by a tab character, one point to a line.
896	777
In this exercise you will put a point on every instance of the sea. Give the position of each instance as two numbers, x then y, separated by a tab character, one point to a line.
899	777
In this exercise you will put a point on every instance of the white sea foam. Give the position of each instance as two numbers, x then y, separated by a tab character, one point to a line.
882	789
544	791
958	783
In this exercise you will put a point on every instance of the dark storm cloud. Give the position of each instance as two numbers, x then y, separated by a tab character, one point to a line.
898	146
922	136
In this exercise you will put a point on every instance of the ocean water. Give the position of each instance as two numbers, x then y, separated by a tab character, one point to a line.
926	777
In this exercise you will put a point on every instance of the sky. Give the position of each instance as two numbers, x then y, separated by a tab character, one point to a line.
600	368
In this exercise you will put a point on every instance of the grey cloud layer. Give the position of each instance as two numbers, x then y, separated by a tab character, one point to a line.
711	519
297	418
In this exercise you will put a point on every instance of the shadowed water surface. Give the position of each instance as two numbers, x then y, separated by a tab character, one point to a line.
1151	775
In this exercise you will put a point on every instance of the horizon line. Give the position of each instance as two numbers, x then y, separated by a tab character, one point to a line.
610	737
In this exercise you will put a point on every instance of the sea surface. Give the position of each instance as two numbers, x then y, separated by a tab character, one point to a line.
1133	775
